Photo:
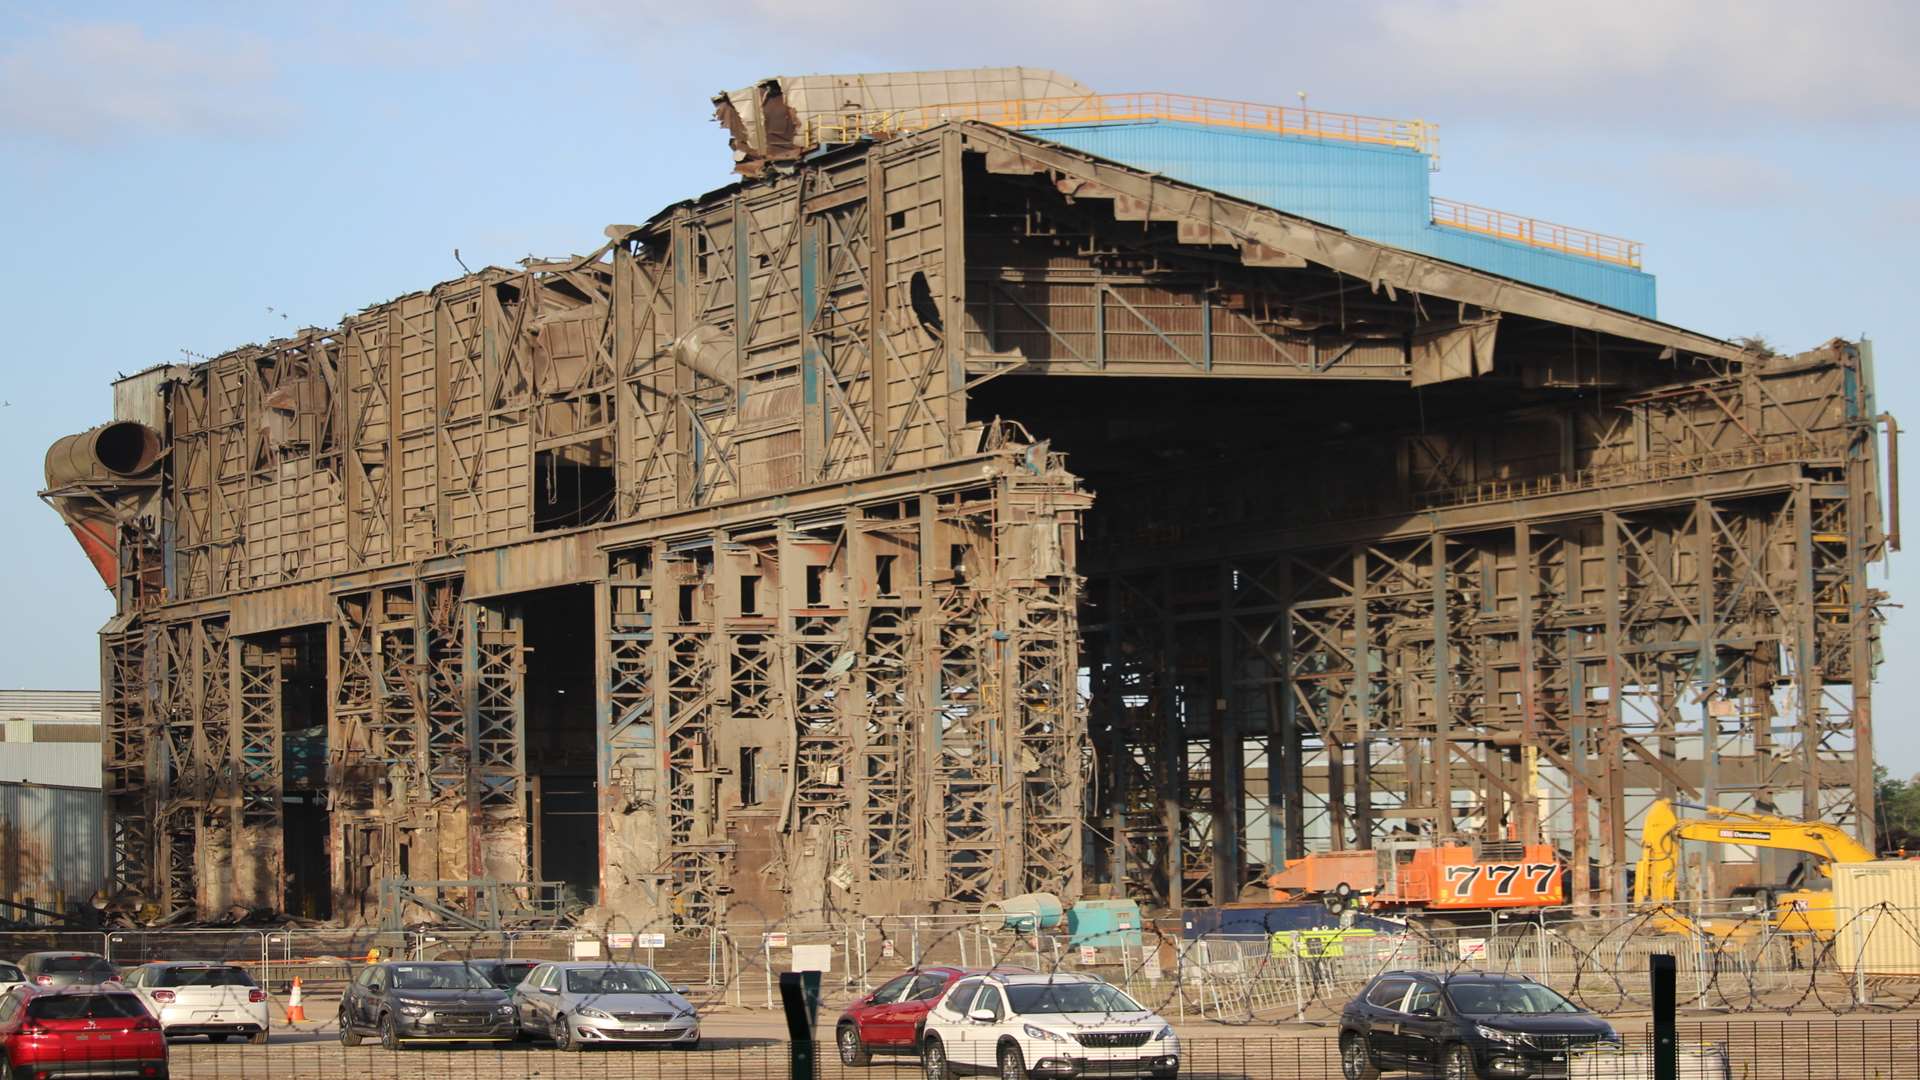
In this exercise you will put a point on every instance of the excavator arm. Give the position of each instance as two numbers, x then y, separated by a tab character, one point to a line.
1656	878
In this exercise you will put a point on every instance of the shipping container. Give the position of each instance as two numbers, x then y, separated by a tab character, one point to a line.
52	843
1877	917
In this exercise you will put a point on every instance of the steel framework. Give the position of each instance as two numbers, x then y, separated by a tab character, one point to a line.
1381	547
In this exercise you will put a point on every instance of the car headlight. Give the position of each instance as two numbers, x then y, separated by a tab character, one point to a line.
594	1014
685	1013
412	1008
1040	1033
1165	1034
1511	1038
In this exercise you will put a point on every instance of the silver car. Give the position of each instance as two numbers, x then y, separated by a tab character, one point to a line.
580	1004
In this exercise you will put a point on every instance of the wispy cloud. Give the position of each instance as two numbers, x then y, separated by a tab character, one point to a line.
1663	65
1651	62
93	81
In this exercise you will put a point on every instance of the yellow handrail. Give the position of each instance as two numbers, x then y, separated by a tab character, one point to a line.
1111	108
1536	233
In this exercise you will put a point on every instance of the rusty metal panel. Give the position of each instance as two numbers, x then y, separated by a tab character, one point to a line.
52	843
303	604
534	564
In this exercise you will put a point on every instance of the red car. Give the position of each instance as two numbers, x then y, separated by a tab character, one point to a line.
71	1031
888	1021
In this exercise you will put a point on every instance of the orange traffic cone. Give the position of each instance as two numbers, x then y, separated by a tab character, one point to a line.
296	1012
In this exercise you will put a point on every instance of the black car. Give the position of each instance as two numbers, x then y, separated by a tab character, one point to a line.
503	973
403	1001
1463	1026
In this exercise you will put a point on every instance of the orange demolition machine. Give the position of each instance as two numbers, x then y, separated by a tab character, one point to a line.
1444	877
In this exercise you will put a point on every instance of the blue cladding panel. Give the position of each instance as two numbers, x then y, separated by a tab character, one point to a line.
55	841
1380	193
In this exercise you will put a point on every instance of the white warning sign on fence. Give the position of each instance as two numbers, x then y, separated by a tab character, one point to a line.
1473	948
776	940
620	941
650	941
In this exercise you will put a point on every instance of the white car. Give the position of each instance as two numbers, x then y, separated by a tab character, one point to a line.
10	977
1062	1025
220	1001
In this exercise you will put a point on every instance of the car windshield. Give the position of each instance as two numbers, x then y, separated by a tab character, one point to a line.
200	976
1489	999
70	965
613	980
1074	997
85	1007
507	976
9	973
438	977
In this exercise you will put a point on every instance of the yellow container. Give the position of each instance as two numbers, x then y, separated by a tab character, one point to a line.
1877	916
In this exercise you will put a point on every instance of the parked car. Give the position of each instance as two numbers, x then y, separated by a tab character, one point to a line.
889	1020
220	1001
68	968
580	1004
1045	1025
79	1031
1463	1026
401	1002
504	973
11	976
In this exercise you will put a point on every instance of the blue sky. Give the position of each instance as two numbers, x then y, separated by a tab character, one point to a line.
179	179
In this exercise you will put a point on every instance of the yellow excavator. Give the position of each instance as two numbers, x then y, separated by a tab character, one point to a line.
1795	909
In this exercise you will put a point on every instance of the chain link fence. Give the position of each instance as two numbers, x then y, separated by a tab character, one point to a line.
1860	1049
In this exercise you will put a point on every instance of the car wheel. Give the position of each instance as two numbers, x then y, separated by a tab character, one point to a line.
348	1036
389	1032
258	1038
852	1051
1460	1064
1013	1066
216	1038
1356	1057
564	1039
934	1059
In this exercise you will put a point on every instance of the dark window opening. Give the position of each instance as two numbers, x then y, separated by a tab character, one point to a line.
306	823
925	307
897	219
883	573
816	586
573	485
688	595
749	594
749	776
561	740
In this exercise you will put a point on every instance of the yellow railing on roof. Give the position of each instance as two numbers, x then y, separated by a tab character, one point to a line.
1536	233
1113	108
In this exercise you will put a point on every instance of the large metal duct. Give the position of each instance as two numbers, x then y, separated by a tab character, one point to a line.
121	450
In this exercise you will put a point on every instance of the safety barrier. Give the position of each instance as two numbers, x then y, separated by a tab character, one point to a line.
1729	958
846	126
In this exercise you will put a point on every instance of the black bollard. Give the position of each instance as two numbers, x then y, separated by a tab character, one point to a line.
800	998
1666	1060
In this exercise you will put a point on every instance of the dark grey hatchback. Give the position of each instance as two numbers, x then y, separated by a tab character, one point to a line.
1463	1026
402	1002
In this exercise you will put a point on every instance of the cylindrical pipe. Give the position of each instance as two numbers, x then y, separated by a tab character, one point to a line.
122	449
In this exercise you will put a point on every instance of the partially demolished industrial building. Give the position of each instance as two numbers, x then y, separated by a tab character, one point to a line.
1000	487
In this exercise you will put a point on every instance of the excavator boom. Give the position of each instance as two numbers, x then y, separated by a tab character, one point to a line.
1656	879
